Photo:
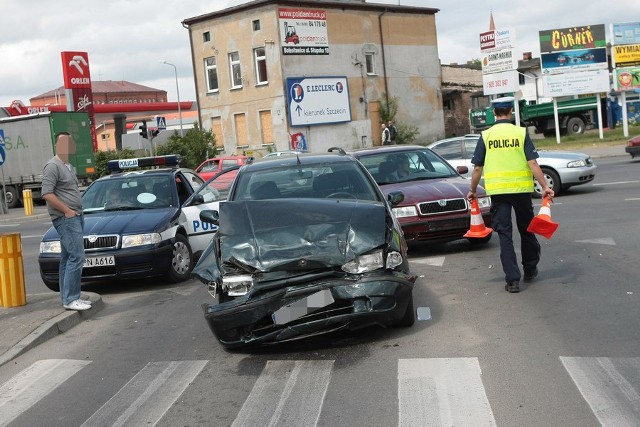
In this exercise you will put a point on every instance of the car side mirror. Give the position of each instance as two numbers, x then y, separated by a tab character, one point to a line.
462	170
395	198
210	217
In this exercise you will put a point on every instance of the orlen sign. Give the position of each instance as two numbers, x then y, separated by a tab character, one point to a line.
75	69
77	84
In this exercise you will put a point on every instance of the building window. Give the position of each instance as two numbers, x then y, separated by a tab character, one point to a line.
370	62
216	129
206	36
234	70
520	79
211	71
241	130
266	128
447	104
256	25
261	66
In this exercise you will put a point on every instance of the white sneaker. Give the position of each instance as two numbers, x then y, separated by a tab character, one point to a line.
78	305
86	301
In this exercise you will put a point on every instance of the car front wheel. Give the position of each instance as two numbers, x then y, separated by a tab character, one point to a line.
182	261
552	179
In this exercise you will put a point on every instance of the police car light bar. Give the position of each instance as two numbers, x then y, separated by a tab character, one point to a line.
143	162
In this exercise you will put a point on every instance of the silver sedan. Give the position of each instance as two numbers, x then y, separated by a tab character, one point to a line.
562	169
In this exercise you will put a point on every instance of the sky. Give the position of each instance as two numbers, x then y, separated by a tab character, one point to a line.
127	39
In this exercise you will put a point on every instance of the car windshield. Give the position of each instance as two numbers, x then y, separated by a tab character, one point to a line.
340	181
132	191
406	165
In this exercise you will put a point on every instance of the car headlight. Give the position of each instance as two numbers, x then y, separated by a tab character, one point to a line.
372	261
236	286
484	202
405	211
577	164
50	247
140	240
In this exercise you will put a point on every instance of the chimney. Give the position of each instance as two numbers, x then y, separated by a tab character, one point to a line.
526	56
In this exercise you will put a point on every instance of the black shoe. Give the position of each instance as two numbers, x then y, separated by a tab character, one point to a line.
512	287
530	275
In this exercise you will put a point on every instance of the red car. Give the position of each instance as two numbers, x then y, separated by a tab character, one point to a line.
435	206
215	165
633	146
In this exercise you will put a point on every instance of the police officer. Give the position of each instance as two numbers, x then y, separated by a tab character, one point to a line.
507	156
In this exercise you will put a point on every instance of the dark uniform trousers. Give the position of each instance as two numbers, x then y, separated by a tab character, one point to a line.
501	205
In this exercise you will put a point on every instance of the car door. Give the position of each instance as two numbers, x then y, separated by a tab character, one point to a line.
205	197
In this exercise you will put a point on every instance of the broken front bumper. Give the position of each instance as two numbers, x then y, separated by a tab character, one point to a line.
320	306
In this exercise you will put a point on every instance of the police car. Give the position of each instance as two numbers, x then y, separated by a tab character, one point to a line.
139	223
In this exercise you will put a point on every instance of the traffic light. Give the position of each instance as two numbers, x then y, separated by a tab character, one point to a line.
143	130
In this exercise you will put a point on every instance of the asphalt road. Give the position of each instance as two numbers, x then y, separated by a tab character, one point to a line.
564	352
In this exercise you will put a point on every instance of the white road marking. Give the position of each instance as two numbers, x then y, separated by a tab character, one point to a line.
632	199
148	395
32	384
442	392
602	241
616	183
287	393
610	387
437	261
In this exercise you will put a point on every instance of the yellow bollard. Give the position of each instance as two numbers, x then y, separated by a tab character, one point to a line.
12	290
27	201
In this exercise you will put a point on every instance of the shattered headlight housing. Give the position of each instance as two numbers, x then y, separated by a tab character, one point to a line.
237	286
140	240
372	261
52	247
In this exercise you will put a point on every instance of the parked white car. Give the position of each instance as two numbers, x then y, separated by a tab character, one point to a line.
562	169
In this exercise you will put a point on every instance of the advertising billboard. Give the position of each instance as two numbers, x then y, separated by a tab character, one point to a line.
579	37
77	84
626	33
318	100
627	78
579	83
574	60
303	31
625	55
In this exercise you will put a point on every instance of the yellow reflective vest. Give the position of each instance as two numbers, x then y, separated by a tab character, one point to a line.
506	169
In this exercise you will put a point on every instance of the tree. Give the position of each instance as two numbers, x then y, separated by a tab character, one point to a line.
194	147
388	111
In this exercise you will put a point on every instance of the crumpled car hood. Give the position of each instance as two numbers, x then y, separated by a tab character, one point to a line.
285	234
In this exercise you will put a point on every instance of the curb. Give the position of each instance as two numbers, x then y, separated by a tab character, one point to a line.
52	328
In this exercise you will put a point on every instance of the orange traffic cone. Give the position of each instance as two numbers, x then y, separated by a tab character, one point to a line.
478	230
542	224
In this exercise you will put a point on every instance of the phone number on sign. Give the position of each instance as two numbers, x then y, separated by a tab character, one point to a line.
498	83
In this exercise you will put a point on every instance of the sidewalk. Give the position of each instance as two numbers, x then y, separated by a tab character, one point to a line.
43	317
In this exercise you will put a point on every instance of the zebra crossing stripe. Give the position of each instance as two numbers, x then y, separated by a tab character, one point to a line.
287	393
442	392
148	395
607	386
26	388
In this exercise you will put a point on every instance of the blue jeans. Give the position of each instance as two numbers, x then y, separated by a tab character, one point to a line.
71	257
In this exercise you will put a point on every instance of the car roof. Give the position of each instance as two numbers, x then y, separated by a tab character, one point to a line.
387	149
138	172
307	159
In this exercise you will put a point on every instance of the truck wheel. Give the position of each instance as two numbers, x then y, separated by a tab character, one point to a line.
575	126
13	197
182	261
552	179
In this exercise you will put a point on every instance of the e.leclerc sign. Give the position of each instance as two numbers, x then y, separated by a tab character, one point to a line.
318	100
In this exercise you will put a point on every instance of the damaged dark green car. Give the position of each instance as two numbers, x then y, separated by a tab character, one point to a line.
306	245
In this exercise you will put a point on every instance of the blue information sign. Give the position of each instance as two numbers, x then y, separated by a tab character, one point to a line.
2	152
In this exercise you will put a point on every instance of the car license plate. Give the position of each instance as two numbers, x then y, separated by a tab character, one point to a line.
302	307
99	261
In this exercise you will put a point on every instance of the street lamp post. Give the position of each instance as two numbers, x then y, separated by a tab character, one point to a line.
175	70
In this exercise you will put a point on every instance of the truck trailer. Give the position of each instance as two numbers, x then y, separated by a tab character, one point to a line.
29	142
